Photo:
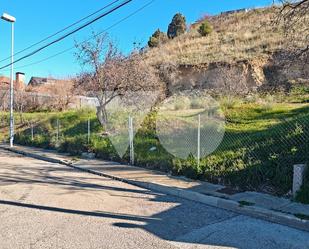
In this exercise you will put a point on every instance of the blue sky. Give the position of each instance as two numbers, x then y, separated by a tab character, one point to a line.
38	19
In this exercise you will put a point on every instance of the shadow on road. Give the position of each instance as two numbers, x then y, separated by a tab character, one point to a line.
177	220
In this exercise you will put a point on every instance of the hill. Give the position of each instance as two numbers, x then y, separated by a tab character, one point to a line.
247	47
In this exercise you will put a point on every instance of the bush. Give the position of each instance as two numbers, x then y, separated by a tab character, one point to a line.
181	103
267	103
205	28
188	168
177	27
198	103
104	149
74	145
229	102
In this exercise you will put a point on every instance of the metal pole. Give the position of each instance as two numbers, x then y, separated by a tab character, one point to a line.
32	132
12	91
131	142
199	140
89	131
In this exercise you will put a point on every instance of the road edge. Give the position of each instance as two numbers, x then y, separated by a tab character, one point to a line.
214	201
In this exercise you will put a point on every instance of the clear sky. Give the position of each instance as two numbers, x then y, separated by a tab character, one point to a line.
36	19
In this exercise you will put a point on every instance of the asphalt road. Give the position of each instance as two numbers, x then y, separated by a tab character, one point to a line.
44	205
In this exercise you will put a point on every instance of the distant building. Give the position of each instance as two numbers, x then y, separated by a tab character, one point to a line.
19	82
234	11
39	81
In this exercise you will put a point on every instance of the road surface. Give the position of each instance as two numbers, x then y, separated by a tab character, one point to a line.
44	205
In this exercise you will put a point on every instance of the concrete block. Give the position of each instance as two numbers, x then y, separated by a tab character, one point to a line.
298	177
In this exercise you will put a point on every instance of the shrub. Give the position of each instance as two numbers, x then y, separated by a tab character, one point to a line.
229	102
104	149
267	103
157	39
188	168
177	27
205	28
74	145
181	103
198	103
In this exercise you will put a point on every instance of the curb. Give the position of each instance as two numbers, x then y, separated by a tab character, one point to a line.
214	201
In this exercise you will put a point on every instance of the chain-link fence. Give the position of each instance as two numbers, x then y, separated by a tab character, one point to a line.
248	145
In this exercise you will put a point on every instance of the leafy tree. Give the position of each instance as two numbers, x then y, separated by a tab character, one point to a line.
157	38
205	28
177	27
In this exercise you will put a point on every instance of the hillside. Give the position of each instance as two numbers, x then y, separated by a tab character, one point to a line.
246	44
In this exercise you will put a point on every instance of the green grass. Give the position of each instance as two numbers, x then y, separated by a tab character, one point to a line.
302	216
258	151
245	203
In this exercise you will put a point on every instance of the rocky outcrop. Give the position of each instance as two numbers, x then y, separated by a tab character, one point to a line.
243	76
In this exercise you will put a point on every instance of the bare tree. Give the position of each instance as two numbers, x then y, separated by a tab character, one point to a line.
3	99
58	96
110	74
62	94
20	101
294	16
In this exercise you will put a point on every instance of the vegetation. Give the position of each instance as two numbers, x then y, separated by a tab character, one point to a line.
245	203
294	16
205	28
302	216
110	74
157	39
235	37
258	151
177	27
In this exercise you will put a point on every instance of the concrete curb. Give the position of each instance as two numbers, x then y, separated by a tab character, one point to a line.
214	201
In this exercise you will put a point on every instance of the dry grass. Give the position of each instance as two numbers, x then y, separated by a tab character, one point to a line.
238	36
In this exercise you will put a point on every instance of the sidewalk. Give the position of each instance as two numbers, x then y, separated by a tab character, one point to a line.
258	205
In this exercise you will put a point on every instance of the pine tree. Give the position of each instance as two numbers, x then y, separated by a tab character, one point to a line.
157	38
177	27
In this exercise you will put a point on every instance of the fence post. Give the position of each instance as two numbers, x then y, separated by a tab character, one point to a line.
88	130
58	129
131	140
199	140
298	177
32	132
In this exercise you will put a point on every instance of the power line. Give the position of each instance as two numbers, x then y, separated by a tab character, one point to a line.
70	33
60	31
108	28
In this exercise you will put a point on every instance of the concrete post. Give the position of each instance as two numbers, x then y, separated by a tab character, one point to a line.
298	177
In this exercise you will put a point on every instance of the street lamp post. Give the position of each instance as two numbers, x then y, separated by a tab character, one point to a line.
12	20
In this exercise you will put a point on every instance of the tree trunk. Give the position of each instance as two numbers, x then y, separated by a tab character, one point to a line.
102	115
